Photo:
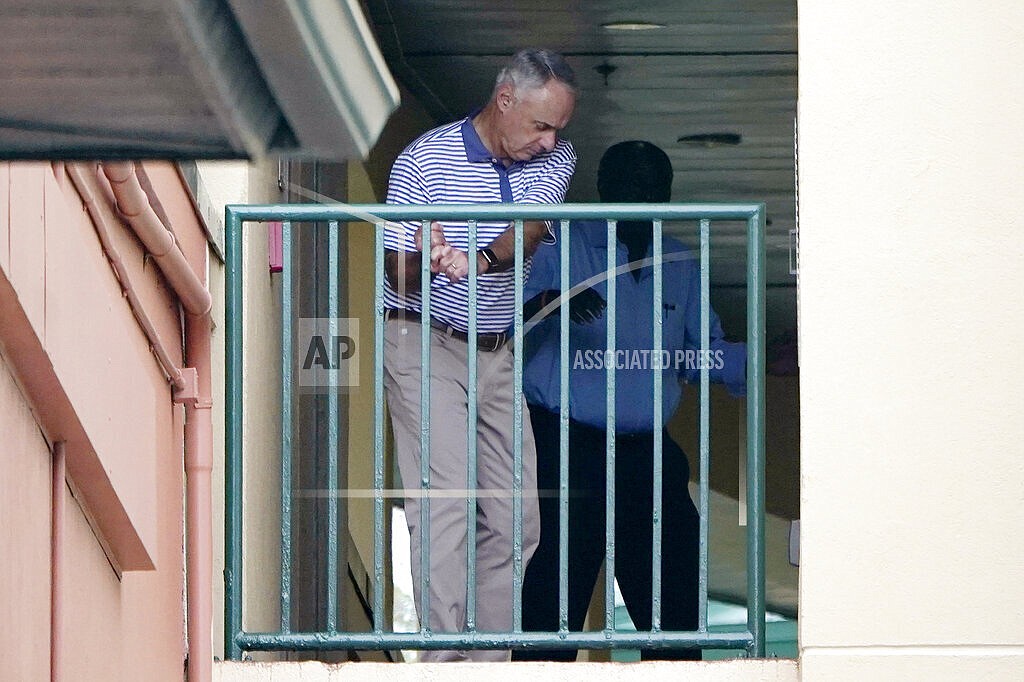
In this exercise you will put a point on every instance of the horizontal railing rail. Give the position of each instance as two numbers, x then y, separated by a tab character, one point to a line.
330	637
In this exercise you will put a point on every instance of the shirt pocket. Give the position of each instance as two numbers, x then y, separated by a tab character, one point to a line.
673	318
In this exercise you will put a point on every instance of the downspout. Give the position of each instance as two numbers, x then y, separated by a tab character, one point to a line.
199	501
57	513
195	298
133	204
105	222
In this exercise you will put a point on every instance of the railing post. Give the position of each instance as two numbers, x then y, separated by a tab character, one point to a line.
563	434
335	548
378	429
517	437
755	430
287	281
233	434
705	422
471	417
609	519
657	472
425	526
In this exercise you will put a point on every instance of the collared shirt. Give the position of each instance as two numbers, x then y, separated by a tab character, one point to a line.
635	358
451	165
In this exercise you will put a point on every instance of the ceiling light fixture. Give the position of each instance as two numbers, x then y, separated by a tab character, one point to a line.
708	140
632	26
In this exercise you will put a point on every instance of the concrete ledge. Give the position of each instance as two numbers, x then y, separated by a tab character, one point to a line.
766	670
931	663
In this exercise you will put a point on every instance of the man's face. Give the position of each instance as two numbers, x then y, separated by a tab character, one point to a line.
530	119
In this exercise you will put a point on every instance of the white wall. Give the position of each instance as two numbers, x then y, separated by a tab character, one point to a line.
912	330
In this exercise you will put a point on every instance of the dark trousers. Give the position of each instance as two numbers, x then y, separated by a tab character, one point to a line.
633	534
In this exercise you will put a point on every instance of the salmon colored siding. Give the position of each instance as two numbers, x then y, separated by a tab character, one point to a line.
24	538
27	264
77	367
5	207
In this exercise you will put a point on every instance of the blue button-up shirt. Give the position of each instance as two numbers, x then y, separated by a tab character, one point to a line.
635	358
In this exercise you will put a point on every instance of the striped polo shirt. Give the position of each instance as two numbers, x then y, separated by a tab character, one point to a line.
451	165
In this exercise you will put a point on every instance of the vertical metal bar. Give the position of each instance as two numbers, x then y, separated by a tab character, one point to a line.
563	436
741	465
658	319
517	438
471	414
425	430
233	433
609	567
333	240
378	429
755	430
705	418
287	281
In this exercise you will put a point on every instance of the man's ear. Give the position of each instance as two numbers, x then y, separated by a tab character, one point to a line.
505	96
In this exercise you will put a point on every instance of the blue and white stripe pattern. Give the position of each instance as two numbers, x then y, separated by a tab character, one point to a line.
451	165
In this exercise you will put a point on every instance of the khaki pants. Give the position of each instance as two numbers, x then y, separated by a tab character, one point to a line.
448	479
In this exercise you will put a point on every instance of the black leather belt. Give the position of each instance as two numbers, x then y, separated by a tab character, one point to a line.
484	342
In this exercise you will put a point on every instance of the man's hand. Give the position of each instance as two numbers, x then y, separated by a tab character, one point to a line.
438	245
586	306
402	268
436	236
443	258
452	262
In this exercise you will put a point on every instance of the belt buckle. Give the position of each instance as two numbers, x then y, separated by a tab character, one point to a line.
496	341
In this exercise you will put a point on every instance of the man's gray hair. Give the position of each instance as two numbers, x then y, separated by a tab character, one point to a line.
533	68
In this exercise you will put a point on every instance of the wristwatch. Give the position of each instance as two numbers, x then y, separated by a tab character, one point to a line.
489	256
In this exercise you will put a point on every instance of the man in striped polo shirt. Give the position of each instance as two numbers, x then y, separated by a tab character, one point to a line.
509	151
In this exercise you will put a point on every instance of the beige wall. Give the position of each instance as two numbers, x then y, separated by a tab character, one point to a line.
261	424
239	183
360	273
218	185
912	324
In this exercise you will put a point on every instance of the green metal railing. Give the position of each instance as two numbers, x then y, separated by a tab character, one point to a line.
380	637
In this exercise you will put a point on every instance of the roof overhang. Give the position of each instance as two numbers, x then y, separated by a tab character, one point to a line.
191	79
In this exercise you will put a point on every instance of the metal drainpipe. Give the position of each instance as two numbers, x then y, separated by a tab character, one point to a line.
86	181
133	203
199	502
58	502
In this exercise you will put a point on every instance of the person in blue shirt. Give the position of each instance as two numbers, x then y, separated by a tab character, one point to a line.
629	172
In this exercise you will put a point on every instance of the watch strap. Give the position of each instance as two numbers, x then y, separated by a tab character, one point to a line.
492	260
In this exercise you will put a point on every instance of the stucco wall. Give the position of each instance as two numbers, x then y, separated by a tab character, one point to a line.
261	422
359	270
912	324
25	534
79	369
239	183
